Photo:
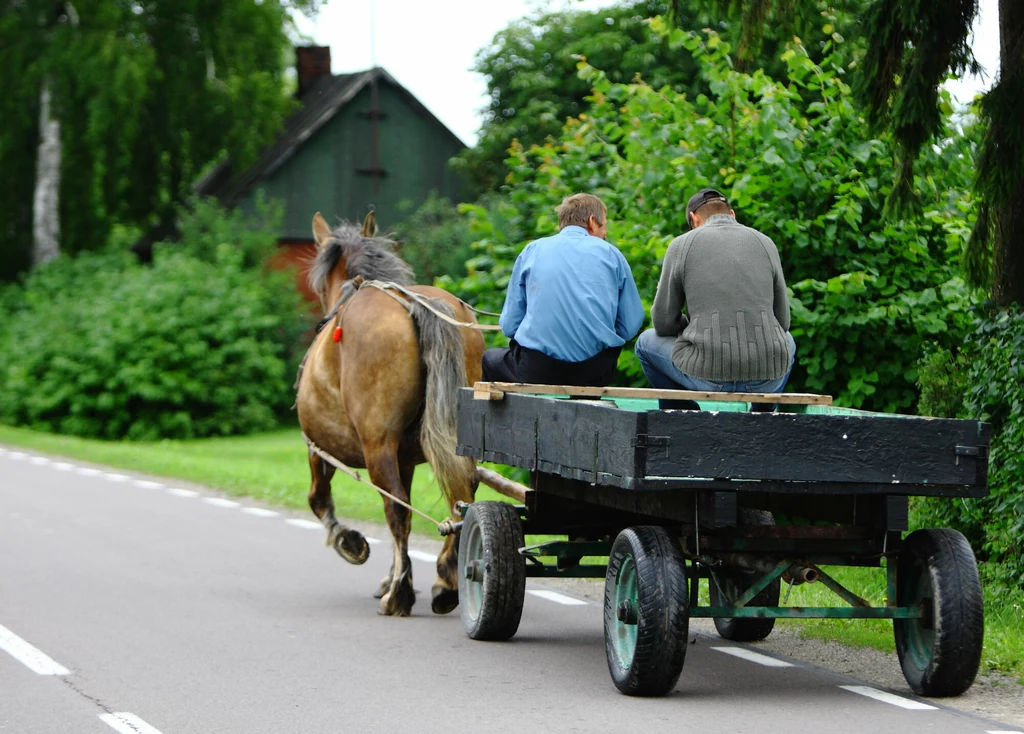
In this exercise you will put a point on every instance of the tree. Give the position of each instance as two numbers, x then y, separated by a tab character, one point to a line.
145	96
913	46
532	82
531	66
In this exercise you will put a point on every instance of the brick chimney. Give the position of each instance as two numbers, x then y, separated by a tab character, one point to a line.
311	63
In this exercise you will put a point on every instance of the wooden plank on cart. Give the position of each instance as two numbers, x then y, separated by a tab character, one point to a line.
497	390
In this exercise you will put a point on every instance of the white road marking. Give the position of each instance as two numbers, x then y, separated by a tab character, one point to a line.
127	723
754	657
892	698
116	477
18	456
421	556
146	484
38	661
1000	731
183	492
308	524
63	466
86	471
39	460
259	512
556	597
218	502
373	541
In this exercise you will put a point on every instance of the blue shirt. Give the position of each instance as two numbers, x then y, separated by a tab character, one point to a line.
571	296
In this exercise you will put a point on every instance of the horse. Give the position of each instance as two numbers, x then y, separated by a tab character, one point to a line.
377	391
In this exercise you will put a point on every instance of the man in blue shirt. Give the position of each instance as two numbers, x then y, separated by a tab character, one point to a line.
571	304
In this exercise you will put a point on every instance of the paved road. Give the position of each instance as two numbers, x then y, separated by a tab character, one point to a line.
133	605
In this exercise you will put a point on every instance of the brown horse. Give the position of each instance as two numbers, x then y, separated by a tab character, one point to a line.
383	397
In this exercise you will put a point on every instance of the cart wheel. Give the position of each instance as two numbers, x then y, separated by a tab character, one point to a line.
646	613
492	574
725	587
940	652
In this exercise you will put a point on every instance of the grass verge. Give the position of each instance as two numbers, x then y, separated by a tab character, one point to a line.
272	467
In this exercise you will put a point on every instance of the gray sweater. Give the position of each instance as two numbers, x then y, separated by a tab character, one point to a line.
730	280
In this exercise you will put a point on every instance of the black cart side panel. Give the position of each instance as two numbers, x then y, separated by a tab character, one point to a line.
804	448
596	442
575	439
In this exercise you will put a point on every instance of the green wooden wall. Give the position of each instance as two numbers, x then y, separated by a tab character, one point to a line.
323	175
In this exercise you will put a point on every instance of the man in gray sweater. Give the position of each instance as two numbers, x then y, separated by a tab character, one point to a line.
734	335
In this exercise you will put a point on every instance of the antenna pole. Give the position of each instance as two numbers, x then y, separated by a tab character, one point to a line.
373	38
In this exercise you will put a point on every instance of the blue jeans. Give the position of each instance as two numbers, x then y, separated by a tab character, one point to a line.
655	354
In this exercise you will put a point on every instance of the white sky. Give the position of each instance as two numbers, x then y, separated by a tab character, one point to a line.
429	46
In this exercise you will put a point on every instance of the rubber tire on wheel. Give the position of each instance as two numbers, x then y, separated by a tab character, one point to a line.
646	568
734	582
492	607
941	652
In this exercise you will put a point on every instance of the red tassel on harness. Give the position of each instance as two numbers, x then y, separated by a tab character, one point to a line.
337	334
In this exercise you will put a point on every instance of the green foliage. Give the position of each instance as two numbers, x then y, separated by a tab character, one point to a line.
435	240
985	381
797	162
532	83
100	346
146	94
530	66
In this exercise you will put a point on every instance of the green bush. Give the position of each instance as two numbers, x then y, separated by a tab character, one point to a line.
797	161
984	380
101	346
435	240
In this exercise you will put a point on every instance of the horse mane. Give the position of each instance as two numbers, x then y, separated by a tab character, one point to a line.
370	257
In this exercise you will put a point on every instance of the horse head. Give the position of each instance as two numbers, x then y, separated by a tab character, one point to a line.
348	251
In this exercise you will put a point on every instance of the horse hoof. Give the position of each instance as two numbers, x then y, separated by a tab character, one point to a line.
352	546
444	599
392	605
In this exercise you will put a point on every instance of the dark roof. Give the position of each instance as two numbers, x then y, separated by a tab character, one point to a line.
319	106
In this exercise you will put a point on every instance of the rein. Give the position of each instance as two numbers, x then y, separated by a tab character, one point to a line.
445	527
349	288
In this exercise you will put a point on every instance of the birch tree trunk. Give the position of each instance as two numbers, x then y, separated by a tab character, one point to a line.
46	204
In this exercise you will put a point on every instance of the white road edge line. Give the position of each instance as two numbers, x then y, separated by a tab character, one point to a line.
308	524
116	477
183	492
218	502
38	460
63	466
146	484
36	660
556	597
373	541
754	657
1002	731
18	455
890	698
259	512
423	556
87	471
127	723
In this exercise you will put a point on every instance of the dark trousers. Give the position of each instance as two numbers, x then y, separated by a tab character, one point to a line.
519	364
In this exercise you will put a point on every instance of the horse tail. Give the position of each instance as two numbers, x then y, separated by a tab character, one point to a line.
443	353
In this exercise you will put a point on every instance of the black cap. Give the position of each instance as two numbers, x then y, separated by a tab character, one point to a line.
702	197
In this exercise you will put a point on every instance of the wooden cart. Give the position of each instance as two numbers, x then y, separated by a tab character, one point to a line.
752	501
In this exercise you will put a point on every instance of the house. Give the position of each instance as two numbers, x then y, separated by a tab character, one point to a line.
358	139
